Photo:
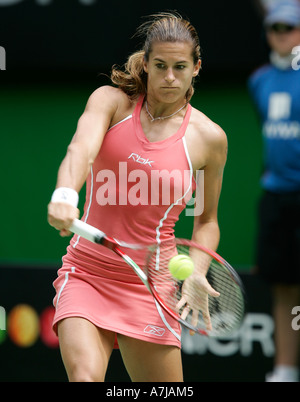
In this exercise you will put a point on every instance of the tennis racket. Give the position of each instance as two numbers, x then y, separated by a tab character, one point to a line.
185	301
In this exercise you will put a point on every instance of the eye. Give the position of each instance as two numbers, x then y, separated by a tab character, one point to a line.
160	66
180	67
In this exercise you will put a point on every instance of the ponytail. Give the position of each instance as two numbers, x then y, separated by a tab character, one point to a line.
132	81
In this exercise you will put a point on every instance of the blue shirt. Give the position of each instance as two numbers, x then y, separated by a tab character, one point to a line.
276	94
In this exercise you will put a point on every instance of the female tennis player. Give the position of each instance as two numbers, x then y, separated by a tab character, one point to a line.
131	132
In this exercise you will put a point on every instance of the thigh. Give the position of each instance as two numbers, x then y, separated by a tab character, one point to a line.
150	362
85	349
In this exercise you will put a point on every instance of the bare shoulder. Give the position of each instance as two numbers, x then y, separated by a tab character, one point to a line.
209	135
107	95
208	129
113	101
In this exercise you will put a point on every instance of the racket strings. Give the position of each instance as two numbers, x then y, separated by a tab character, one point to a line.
226	311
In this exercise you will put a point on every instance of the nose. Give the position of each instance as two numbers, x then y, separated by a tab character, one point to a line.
169	76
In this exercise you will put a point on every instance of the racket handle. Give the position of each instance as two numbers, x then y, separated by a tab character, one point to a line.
87	231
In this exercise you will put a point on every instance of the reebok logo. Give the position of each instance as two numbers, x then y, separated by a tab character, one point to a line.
137	158
152	329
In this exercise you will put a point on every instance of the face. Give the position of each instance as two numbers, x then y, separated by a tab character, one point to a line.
283	39
170	70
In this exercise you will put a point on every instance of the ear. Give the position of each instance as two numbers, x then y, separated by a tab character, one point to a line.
197	68
145	65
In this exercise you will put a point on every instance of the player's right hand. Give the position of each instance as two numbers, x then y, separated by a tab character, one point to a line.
61	215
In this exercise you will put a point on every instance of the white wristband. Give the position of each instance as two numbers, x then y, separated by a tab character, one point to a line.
66	195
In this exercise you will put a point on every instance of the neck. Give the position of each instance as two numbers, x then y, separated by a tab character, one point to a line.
165	116
281	62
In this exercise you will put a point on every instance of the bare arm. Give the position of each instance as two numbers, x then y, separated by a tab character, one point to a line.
206	228
81	153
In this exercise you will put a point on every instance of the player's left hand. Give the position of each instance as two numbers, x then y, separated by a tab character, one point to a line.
195	300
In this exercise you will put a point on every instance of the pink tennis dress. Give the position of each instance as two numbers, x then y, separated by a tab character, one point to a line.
135	192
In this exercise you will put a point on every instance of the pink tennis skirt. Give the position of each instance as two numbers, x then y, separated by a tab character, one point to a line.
112	297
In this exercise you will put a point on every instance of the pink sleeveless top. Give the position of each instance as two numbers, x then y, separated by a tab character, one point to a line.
136	189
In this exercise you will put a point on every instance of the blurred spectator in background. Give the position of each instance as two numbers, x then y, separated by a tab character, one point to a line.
264	5
275	89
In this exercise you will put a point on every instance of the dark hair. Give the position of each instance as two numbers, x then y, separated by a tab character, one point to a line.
162	27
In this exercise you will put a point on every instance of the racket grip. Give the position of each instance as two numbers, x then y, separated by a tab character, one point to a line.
87	231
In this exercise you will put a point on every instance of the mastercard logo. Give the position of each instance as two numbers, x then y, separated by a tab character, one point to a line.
24	326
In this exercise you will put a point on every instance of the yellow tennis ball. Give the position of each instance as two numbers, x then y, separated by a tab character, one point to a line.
181	266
